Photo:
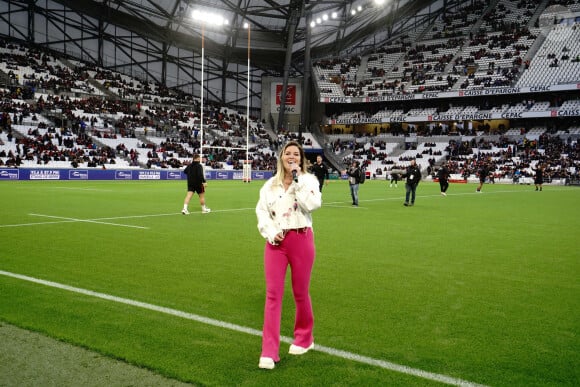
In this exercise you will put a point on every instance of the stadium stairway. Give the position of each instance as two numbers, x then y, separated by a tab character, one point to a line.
97	85
539	10
5	80
537	43
362	68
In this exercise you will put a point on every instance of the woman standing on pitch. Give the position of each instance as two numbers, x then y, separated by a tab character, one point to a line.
285	221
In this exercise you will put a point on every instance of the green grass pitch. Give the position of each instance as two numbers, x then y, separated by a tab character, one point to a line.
483	288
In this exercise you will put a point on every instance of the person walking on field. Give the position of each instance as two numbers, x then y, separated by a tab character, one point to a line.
195	183
394	179
320	171
413	175
539	178
284	213
354	175
443	176
483	172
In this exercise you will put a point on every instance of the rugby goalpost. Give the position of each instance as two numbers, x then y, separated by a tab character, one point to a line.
247	165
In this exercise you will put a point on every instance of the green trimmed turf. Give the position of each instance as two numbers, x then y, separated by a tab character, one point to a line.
479	287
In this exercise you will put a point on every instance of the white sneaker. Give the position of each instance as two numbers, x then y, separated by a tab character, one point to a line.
297	350
206	211
185	212
266	363
443	193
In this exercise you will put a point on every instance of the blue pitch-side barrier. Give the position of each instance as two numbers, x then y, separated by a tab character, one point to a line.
118	174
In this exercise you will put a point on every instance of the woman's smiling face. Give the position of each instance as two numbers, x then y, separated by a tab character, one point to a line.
290	157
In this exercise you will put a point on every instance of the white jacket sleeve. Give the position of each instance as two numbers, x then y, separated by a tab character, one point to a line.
266	224
307	192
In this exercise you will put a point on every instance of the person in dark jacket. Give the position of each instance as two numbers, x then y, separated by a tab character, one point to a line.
413	175
483	173
195	183
539	178
394	179
443	176
354	174
320	171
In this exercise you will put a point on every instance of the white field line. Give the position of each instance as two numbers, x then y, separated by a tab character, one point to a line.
238	328
339	204
402	196
89	221
100	220
36	223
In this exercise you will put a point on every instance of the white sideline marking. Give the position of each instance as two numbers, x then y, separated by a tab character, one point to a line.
35	223
99	220
88	221
238	328
402	196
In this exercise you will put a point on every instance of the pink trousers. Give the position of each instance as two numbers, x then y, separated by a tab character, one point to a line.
296	250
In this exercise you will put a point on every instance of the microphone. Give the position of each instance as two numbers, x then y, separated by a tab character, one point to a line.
294	176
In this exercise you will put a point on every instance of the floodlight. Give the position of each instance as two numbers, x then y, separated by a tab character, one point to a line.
196	14
313	24
208	18
318	20
325	17
334	15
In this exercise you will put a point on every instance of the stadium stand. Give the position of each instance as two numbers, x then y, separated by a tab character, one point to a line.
67	113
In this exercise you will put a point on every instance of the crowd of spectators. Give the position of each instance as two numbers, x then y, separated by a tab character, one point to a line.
94	117
492	56
514	159
176	116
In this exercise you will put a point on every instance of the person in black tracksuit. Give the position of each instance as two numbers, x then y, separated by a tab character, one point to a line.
539	178
320	171
443	176
483	173
413	175
195	183
394	179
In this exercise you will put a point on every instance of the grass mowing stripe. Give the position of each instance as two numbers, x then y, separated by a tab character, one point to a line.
238	328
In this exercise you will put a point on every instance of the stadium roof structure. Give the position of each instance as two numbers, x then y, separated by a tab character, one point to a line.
161	41
278	27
